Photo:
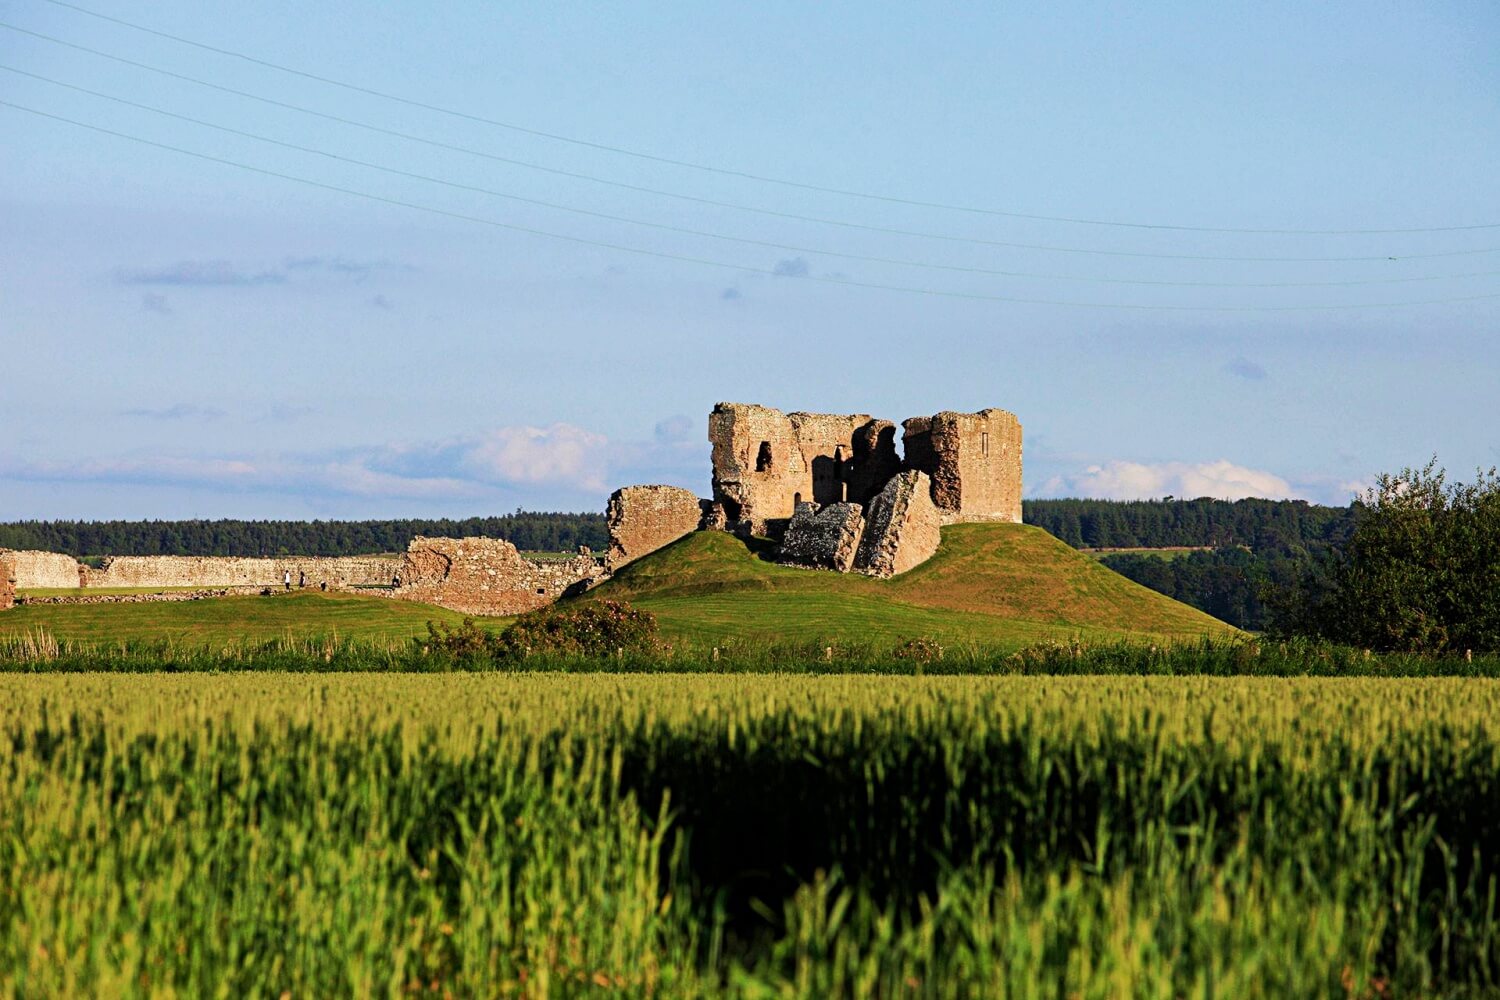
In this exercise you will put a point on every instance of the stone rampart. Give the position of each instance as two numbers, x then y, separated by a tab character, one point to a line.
7	583
824	538
52	570
338	572
487	576
903	528
642	519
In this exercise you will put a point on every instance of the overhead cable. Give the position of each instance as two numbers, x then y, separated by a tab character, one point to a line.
709	262
743	174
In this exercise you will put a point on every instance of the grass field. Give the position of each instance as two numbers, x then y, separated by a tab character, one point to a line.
1000	586
222	621
545	836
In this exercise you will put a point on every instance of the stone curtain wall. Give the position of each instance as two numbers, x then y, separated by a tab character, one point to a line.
487	576
642	519
219	571
52	570
973	460
7	583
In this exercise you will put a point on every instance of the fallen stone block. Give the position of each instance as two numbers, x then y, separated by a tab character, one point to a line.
903	528
824	537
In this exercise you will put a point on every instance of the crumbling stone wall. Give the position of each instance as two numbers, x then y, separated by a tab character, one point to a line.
232	571
52	570
826	537
7	583
642	519
903	528
765	462
487	576
973	460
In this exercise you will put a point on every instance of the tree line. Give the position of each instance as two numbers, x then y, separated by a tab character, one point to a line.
1260	525
533	531
1255	547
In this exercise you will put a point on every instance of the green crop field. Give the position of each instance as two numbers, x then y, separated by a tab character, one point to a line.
462	835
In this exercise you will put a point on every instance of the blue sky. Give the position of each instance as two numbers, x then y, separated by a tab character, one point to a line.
182	337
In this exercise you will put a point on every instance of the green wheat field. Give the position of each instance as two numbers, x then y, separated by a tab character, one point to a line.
550	835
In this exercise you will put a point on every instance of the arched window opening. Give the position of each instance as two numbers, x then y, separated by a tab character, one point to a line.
763	460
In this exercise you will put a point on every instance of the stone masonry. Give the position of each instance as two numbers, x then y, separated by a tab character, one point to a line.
642	519
903	528
825	538
766	462
487	576
974	461
52	570
7	582
338	573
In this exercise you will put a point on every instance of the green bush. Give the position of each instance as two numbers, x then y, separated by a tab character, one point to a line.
598	628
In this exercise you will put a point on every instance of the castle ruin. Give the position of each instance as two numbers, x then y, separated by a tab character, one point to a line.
830	489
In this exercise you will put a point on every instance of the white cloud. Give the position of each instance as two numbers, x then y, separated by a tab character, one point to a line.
1122	480
560	455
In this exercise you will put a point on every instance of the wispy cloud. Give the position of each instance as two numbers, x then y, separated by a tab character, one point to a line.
676	428
1244	368
791	267
157	303
177	411
1124	480
730	294
229	274
201	274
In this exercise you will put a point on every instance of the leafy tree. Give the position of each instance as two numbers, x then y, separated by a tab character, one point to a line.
1421	571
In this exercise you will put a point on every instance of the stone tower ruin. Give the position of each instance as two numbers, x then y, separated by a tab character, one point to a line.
766	462
831	489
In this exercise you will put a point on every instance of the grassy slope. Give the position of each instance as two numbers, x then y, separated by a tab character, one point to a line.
225	620
989	583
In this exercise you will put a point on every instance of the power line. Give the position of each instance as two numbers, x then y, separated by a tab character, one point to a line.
623	248
745	175
707	234
886	230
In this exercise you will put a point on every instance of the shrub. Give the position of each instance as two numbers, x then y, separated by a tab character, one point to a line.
466	640
919	650
598	628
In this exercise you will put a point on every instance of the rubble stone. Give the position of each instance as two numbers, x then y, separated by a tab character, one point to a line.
824	537
487	576
903	527
642	519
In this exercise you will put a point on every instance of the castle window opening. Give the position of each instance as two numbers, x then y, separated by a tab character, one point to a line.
984	443
796	500
763	459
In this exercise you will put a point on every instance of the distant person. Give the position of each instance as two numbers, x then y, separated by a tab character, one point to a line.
396	581
286	578
323	585
301	579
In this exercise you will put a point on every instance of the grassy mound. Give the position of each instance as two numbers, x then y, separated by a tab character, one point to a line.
995	584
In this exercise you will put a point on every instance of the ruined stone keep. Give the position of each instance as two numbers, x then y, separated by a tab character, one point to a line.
832	489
